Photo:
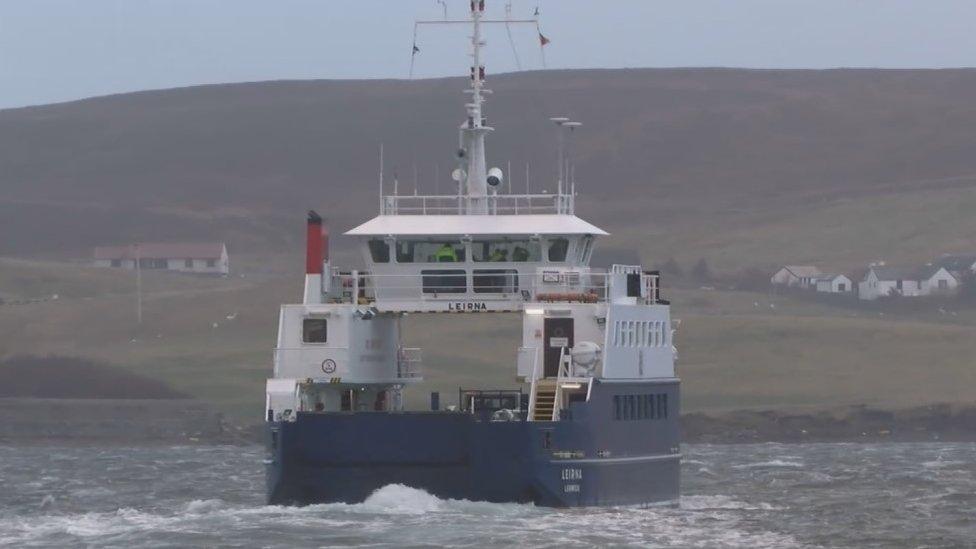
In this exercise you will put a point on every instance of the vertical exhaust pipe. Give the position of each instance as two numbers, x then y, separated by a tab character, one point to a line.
315	244
316	259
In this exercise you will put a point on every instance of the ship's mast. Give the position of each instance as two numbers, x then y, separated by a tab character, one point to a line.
473	129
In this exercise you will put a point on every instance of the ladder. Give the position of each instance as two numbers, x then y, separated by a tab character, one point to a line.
545	402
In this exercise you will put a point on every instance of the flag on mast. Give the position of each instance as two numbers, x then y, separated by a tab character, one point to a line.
543	40
415	48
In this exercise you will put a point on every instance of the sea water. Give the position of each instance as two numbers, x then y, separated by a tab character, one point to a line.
764	495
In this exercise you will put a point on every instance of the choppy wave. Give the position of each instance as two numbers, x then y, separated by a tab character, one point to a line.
754	496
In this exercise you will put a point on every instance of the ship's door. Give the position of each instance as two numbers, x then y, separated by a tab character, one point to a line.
558	334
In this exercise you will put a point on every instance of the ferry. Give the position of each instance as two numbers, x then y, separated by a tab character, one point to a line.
591	418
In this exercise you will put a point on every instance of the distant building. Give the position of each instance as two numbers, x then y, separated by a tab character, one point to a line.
197	257
960	265
906	282
937	280
796	276
834	284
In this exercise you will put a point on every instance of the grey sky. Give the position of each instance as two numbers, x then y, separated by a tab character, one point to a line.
57	50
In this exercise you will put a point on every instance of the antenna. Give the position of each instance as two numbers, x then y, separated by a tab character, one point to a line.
381	177
508	174
473	185
560	157
138	285
571	155
508	30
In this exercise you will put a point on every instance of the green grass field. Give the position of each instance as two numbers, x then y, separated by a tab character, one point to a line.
736	349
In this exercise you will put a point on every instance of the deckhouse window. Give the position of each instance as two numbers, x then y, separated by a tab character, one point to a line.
315	330
557	249
430	251
379	250
444	281
506	250
495	281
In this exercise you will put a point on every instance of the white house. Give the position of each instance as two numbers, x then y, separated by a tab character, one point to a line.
834	284
937	280
906	282
196	257
960	265
796	276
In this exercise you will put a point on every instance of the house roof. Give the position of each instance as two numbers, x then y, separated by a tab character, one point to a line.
475	225
924	272
894	273
928	271
803	270
162	250
956	262
830	277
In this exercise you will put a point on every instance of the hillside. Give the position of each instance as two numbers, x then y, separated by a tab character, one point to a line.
742	167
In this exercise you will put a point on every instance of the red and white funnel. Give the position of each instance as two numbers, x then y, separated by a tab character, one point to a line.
316	258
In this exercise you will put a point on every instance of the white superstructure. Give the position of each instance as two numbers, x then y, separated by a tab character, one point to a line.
478	251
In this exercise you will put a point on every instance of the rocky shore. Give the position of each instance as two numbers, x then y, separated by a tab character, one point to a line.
942	422
115	421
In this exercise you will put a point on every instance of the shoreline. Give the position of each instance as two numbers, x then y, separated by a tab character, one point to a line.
188	422
858	423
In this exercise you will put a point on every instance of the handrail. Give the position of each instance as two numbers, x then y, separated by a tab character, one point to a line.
534	386
451	204
481	280
583	285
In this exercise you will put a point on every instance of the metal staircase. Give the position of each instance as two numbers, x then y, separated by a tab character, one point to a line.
545	402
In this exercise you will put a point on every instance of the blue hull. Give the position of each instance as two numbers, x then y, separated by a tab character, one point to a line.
615	449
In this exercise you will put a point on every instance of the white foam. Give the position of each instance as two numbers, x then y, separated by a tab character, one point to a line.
400	499
771	463
941	463
701	503
203	506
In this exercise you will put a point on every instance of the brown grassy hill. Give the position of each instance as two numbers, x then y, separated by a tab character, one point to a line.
740	166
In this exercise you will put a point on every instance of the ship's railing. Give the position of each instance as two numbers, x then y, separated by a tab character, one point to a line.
452	281
498	204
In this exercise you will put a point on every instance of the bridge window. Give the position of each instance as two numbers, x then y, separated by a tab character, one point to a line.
584	249
557	249
495	281
379	250
445	281
429	251
315	330
505	250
